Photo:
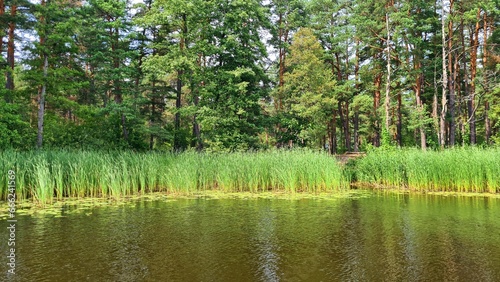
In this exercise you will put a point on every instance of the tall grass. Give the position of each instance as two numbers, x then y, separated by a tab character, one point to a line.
457	170
45	175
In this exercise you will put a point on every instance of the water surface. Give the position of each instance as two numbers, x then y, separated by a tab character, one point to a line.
383	237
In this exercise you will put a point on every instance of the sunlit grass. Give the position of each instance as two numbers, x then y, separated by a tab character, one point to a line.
454	170
45	175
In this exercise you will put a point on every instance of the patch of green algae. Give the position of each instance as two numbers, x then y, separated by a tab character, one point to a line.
68	206
395	191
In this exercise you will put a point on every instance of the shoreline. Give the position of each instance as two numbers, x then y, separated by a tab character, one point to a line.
67	206
50	178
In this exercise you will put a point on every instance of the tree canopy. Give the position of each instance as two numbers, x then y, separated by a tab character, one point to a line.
238	75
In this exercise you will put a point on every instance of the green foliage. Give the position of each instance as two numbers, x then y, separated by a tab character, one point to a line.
230	112
494	113
172	74
15	133
309	88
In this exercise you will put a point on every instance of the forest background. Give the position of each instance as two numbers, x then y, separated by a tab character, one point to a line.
237	75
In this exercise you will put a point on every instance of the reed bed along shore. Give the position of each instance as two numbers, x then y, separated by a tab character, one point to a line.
43	176
451	170
47	175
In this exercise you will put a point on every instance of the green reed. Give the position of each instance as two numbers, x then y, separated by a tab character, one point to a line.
45	175
457	170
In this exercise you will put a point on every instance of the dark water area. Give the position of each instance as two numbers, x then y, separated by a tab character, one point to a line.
381	237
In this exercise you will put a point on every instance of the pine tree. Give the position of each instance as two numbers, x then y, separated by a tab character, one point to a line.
230	111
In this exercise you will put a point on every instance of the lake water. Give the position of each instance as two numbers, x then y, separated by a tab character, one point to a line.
379	237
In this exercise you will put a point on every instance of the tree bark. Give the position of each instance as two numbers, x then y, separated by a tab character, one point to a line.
347	133
342	121
453	67
473	71
178	99
332	136
118	97
152	114
43	88
196	129
376	105
388	80
282	39
2	14
177	120
41	102
356	130
463	89
435	116
442	115
10	49
399	126
420	106
487	122
198	143
417	87
356	109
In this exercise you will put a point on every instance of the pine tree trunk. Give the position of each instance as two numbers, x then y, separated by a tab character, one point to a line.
442	115
342	122
376	105
399	126
43	88
178	99
356	109
196	129
196	99
177	121
473	71
41	102
463	95
282	39
420	106
152	115
417	87
453	70
10	50
388	80
356	130
452	78
347	133
2	14
487	122
435	103
332	136
118	97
